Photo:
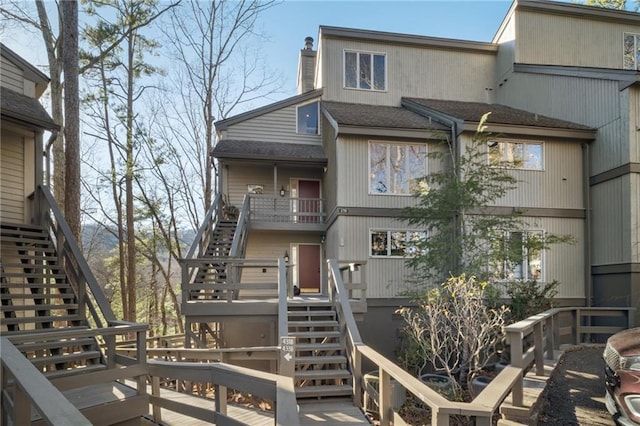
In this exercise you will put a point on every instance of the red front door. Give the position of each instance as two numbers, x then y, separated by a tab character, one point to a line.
309	268
309	199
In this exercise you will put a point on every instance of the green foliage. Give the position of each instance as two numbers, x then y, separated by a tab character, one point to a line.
530	298
454	207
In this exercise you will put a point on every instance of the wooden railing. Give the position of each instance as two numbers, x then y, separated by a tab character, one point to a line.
266	208
278	389
529	340
23	387
239	245
232	286
89	294
201	240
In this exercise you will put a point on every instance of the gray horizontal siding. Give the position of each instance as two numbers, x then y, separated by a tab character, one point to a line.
348	239
592	102
563	40
611	221
411	71
12	189
12	76
276	126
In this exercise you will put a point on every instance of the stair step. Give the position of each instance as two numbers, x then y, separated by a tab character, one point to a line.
326	391
55	344
314	334
311	313
31	265
35	285
41	307
58	359
300	347
38	319
322	374
327	359
7	296
310	324
26	241
47	330
81	369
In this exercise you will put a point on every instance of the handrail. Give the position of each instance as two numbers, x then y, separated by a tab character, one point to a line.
213	211
239	243
283	292
544	328
278	389
33	388
77	257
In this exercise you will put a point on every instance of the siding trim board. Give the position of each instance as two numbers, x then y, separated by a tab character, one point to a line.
572	9
619	268
408	40
623	76
294	100
575	134
498	211
615	173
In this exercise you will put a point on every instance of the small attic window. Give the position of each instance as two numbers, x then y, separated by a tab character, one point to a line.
308	119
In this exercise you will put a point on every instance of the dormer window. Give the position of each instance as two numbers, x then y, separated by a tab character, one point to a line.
308	119
631	52
365	70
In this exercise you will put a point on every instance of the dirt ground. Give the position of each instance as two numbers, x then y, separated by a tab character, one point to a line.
576	390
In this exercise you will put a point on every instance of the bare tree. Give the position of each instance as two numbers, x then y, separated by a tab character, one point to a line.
454	329
121	72
216	75
72	116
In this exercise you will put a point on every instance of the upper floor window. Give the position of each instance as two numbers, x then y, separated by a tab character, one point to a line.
517	155
395	243
631	51
522	256
394	169
308	118
366	71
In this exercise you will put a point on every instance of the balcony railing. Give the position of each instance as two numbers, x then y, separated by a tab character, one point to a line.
265	208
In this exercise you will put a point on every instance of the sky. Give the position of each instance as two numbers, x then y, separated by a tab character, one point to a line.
287	24
293	20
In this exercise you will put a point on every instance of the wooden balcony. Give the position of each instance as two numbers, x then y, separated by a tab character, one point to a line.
286	213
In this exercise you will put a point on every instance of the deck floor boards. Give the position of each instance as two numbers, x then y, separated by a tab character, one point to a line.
342	413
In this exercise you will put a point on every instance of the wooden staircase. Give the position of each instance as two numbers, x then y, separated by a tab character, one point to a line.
39	304
321	364
218	251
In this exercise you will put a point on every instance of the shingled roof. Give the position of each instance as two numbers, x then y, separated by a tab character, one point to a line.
348	114
26	110
500	114
274	151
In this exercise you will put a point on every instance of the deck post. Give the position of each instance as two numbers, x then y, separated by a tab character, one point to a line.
155	391
221	399
287	356
384	398
539	349
515	340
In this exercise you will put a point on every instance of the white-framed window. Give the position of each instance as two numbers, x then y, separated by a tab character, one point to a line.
308	118
517	154
394	243
631	51
395	168
523	256
365	70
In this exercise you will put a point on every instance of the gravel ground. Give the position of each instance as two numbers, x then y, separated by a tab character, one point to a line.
576	390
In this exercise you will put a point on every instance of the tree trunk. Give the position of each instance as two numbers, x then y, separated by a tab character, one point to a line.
72	117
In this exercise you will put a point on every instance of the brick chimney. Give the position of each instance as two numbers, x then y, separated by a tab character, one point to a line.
306	67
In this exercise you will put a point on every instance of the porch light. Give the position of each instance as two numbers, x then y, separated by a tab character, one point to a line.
282	191
286	256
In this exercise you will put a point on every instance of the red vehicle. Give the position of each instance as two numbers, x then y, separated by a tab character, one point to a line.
622	376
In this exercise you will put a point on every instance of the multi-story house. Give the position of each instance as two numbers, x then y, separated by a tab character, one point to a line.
326	173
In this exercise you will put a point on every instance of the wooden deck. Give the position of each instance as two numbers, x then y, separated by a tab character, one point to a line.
342	413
